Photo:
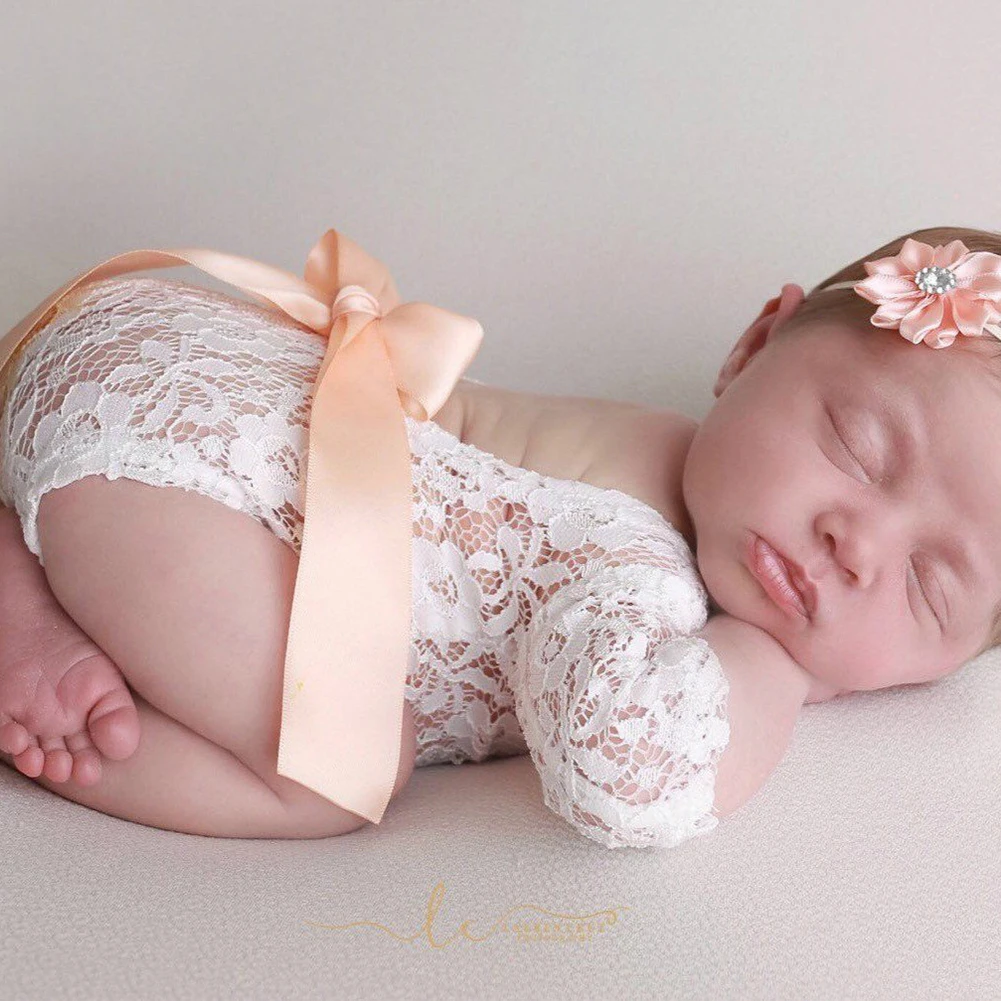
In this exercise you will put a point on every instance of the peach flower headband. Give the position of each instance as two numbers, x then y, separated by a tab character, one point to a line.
932	294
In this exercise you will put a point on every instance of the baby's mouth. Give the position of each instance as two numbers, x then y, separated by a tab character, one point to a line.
777	579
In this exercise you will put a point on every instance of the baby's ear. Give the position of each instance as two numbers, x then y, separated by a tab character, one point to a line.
774	312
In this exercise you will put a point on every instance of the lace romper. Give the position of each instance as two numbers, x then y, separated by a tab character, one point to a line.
549	616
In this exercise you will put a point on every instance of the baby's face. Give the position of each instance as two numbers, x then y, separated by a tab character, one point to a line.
800	449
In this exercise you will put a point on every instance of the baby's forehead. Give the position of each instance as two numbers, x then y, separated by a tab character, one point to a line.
884	362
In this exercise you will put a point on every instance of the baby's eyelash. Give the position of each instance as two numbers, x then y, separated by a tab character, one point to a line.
844	445
924	594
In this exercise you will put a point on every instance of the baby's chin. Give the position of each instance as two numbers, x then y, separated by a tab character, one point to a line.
821	691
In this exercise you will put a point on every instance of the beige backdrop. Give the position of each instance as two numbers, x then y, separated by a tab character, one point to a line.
612	189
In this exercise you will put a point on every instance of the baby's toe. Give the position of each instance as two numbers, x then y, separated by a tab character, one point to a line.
14	739
58	760
31	760
86	759
114	724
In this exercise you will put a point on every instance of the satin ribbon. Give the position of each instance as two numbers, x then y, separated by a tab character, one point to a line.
349	631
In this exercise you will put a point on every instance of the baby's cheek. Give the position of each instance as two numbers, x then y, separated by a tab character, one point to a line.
860	658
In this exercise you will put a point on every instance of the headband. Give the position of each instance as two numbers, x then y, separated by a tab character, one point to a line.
933	294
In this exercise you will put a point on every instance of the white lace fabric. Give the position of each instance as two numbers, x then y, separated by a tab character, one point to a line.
549	616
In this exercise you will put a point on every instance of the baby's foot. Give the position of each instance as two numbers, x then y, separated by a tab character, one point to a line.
63	701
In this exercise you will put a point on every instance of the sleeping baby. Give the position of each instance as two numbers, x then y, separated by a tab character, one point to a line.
639	602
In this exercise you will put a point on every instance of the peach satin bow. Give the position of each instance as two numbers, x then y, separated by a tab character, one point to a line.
349	632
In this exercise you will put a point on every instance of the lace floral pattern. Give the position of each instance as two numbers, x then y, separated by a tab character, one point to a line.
624	717
549	616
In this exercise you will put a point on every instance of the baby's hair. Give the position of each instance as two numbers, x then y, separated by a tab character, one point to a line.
847	308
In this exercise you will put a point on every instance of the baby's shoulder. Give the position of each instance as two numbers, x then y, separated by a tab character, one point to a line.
611	444
642	453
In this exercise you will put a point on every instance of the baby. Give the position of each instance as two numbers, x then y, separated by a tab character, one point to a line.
833	507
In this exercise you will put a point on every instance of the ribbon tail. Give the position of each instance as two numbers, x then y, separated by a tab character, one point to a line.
349	632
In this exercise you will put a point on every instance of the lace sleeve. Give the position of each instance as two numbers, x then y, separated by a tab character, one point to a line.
624	719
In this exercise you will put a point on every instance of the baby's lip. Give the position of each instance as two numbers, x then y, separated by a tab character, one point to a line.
807	589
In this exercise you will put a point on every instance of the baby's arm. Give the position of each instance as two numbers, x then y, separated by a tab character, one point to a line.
767	690
640	733
623	714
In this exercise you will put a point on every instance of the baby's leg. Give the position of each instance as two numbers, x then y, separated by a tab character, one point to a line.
179	781
192	601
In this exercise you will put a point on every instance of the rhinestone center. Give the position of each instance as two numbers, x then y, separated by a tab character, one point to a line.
935	280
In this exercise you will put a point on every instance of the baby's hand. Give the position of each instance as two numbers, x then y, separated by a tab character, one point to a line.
63	702
767	691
